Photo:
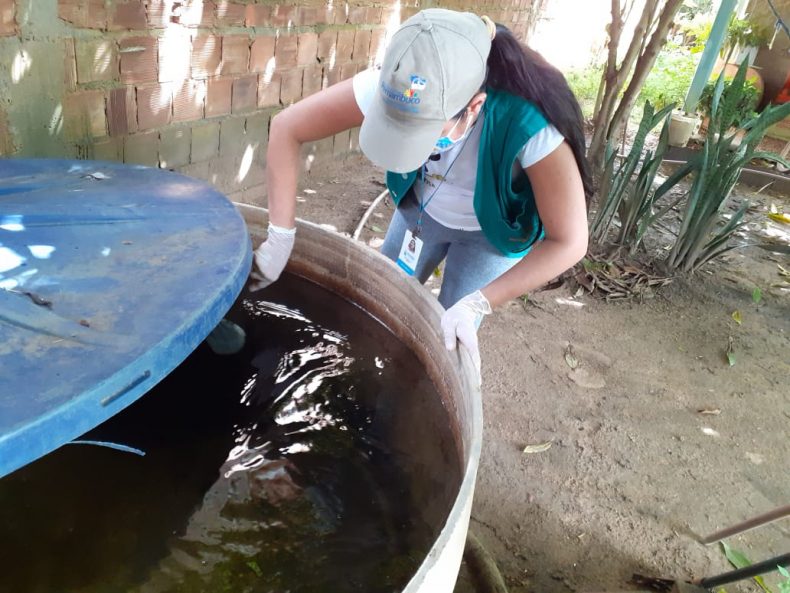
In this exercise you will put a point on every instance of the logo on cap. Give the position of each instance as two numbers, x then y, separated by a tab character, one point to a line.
407	100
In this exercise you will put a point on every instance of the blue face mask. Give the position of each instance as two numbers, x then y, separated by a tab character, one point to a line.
445	143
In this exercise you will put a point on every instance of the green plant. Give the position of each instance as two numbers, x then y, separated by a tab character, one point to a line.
745	33
670	78
784	584
745	104
584	84
705	232
691	9
634	202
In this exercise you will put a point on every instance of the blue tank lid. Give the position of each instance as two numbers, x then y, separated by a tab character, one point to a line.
110	275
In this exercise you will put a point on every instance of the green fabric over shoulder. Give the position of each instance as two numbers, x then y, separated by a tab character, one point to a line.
505	208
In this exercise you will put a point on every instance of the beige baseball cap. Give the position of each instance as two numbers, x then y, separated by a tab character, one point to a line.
435	63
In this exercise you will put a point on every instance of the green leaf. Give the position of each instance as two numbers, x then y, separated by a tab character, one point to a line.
253	566
739	560
377	229
757	295
736	316
731	358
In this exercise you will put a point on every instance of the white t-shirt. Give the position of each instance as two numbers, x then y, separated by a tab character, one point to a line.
449	197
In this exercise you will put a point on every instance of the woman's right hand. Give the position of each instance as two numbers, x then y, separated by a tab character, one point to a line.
272	256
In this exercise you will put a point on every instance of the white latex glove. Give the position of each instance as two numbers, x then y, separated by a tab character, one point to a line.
272	255
460	323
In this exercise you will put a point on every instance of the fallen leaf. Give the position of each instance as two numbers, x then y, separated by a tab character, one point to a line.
253	566
779	217
730	351
757	295
782	272
377	229
736	315
570	358
709	411
538	448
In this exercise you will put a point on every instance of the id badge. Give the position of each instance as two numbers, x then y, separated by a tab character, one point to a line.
409	253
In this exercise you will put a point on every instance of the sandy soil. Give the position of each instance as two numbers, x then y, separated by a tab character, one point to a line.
636	470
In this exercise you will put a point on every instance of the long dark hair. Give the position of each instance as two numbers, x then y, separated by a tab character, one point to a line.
521	71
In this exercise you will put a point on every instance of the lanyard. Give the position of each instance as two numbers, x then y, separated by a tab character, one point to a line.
424	203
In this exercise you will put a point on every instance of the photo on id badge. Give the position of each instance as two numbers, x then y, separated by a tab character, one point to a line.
409	253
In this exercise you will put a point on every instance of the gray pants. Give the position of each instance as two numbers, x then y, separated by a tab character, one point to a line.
471	261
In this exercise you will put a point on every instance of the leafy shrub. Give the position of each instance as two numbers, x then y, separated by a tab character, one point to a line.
670	78
584	84
744	104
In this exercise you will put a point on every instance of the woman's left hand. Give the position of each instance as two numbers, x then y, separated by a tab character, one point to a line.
460	323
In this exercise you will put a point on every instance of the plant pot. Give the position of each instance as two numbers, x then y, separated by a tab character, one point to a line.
681	128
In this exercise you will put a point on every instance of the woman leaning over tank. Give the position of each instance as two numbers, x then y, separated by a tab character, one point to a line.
483	145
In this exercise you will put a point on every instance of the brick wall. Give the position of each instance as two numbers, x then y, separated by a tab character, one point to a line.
188	85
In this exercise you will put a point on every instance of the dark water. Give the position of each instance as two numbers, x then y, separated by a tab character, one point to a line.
318	459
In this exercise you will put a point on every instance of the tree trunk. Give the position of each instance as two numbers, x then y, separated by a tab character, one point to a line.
617	76
649	37
644	66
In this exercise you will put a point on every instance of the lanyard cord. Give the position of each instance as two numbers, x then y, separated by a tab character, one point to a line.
424	203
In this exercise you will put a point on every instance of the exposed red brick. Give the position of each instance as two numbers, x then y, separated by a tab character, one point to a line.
388	14
356	15
7	145
87	14
128	15
138	59
69	64
7	17
258	15
84	115
313	80
206	56
340	14
373	15
326	44
142	149
175	57
378	40
235	54
158	13
283	16
313	15
307	49
122	111
261	53
345	46
245	94
230	14
349	70
154	105
361	46
97	59
332	75
218	96
285	51
194	13
291	90
189	99
269	90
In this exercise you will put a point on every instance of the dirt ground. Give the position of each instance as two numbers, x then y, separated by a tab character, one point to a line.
655	438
